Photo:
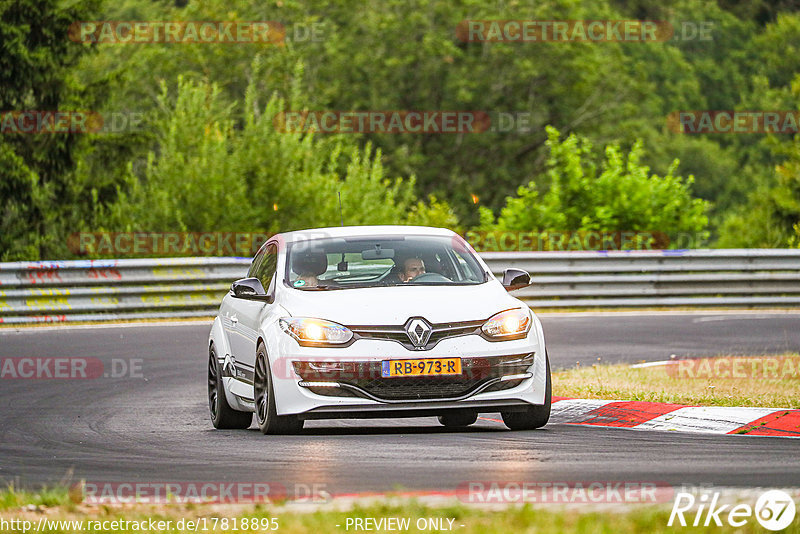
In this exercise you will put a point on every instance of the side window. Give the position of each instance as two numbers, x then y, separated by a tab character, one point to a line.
465	273
265	269
257	261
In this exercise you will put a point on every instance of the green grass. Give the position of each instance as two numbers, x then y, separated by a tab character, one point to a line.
13	498
668	384
467	520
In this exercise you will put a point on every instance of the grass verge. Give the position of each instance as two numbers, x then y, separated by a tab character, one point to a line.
763	381
457	517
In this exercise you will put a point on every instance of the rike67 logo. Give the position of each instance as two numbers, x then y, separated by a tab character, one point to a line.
774	510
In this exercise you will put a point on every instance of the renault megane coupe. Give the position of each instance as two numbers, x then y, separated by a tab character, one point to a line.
375	321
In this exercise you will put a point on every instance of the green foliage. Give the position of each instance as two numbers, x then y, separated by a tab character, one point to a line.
39	195
212	173
410	58
771	217
772	213
614	193
794	241
436	213
212	160
19	185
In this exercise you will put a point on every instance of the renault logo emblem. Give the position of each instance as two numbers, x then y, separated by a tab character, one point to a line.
418	331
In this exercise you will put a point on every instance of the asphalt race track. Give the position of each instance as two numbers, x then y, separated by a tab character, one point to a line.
155	427
634	338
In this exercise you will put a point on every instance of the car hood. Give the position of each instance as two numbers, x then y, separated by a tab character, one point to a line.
395	304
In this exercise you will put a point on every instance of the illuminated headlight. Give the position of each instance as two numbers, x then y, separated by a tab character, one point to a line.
315	332
510	324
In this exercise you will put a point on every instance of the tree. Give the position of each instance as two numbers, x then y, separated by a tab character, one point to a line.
391	55
39	196
612	193
772	213
212	173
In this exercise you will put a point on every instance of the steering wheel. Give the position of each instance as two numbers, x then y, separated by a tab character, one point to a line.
430	277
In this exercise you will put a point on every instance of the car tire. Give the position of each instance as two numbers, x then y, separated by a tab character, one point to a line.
269	422
533	416
222	415
458	419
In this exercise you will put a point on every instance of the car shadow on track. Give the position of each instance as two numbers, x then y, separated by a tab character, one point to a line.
362	431
363	427
328	431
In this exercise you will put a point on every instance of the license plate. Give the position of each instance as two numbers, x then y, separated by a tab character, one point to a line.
429	367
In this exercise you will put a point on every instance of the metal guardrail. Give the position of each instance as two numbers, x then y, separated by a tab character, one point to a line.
685	278
85	290
61	291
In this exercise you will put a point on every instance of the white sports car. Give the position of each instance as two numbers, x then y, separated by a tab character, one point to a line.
375	321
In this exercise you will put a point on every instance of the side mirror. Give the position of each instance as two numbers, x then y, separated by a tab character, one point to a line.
249	288
515	279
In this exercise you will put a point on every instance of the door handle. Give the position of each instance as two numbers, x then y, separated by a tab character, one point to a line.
234	320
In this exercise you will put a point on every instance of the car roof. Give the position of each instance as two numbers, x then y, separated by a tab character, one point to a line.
363	231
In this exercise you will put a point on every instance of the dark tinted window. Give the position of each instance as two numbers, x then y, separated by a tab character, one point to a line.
266	268
258	259
345	262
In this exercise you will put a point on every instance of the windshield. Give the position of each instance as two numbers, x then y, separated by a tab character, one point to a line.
343	263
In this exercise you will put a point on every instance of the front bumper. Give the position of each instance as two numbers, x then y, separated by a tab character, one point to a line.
362	392
412	409
364	379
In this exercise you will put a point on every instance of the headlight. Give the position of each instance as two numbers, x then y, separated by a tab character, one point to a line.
510	324
315	332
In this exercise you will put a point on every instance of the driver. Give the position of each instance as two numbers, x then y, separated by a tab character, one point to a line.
309	265
412	267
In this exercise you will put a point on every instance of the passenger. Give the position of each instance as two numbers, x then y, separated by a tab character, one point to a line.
308	266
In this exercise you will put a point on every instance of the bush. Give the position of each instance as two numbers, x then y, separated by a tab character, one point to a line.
612	194
214	170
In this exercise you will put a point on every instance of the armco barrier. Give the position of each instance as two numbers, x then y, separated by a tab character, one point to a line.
733	277
58	291
82	290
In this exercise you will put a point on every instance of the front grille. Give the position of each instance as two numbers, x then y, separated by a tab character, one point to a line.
365	377
439	332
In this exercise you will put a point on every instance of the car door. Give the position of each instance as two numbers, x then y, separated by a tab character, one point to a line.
246	322
232	309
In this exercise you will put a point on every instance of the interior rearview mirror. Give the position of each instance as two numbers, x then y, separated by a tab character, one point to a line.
377	253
